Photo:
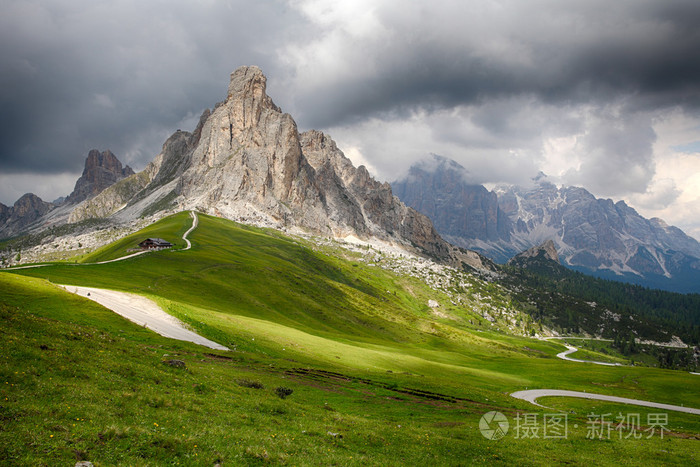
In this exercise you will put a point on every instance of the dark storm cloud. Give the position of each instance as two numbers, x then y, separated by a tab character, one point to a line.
560	51
470	80
120	75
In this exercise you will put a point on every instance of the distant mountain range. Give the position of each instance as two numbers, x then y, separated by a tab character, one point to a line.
247	161
102	170
591	235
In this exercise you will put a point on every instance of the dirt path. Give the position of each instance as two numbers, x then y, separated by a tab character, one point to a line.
571	349
533	394
144	312
195	222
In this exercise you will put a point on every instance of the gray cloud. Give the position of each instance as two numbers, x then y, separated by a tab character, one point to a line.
467	52
119	75
492	81
619	157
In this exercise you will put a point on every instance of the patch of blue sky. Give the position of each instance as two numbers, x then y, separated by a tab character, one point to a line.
689	148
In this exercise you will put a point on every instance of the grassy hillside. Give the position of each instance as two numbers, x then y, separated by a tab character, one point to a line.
377	378
171	229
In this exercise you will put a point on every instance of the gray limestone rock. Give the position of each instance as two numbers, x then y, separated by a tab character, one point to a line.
102	169
27	210
547	250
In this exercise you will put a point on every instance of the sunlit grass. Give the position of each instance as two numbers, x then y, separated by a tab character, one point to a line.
356	344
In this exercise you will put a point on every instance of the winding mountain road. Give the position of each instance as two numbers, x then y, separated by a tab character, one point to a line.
144	312
533	394
195	223
571	349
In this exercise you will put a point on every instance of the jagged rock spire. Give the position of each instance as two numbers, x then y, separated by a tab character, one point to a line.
102	169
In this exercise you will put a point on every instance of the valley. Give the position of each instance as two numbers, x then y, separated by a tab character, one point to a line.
435	234
377	375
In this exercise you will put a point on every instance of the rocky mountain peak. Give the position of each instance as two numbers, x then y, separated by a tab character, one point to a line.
27	209
102	169
440	188
247	96
251	164
28	202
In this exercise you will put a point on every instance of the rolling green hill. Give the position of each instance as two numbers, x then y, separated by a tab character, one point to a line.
377	377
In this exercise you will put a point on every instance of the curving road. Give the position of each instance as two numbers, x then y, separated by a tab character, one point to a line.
533	394
195	223
571	349
144	312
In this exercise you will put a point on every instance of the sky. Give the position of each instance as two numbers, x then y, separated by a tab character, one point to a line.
599	94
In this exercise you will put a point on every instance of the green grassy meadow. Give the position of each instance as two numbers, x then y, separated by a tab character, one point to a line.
377	379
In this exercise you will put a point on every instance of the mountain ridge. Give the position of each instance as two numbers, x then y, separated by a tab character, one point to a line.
246	161
592	235
30	212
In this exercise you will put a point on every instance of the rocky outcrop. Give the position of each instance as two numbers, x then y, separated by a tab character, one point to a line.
26	211
102	170
248	163
546	251
112	199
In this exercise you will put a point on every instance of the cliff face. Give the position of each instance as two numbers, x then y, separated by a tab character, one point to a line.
250	163
460	210
102	170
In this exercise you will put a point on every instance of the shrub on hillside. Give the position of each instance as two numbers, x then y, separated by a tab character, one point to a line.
283	392
247	383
